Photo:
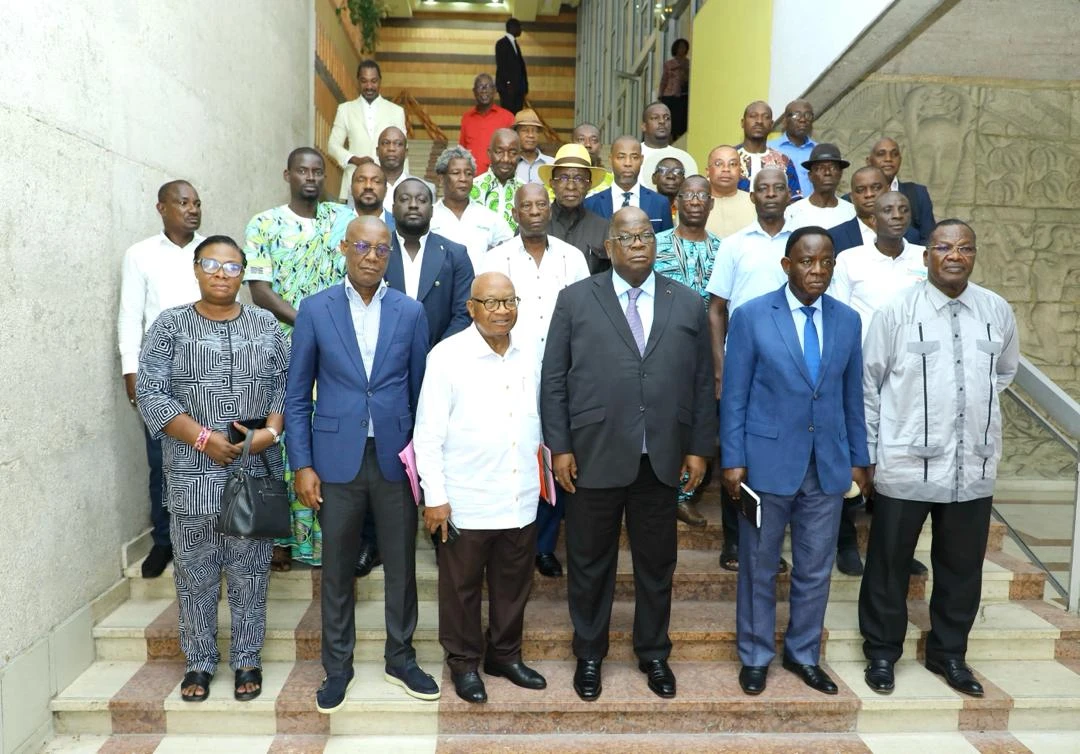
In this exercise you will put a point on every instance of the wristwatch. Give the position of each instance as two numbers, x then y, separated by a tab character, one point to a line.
274	432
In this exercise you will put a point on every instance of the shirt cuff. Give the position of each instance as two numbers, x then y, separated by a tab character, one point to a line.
129	363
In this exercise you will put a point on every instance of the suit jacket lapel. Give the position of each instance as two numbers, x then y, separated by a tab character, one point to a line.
609	302
395	270
342	318
786	325
430	265
661	313
828	312
388	319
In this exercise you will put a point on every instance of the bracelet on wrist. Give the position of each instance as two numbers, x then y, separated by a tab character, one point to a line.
202	439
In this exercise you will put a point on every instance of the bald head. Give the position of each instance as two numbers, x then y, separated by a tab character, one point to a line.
723	170
366	247
532	212
798	120
771	195
885	154
484	283
892	216
493	308
757	122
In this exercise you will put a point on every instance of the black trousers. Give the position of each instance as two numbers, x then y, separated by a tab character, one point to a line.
960	531
593	524
341	518
505	556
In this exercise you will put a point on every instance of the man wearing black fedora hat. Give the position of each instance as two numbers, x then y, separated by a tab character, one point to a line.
823	207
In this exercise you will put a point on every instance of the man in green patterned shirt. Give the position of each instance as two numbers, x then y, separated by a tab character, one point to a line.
496	187
290	258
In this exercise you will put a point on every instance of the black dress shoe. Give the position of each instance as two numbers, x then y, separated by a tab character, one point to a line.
752	678
848	562
369	558
587	680
548	565
661	679
813	676
470	687
879	676
687	512
957	675
155	562
918	568
518	673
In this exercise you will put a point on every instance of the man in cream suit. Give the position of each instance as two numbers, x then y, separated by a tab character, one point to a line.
360	121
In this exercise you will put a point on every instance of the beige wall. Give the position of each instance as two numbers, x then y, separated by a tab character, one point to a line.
100	103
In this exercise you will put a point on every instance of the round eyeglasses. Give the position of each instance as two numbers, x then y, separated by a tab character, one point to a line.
231	269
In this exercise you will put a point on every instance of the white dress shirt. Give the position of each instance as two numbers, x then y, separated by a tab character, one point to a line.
617	197
477	432
156	275
478	230
388	200
410	266
537	286
748	265
798	316
365	319
865	279
869	235
513	42
801	214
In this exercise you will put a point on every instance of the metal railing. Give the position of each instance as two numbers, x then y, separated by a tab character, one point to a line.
1057	413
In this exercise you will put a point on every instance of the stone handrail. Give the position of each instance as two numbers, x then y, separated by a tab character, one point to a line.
414	109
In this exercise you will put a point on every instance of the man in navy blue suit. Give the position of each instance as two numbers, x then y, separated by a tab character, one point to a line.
885	154
791	428
867	184
365	345
627	191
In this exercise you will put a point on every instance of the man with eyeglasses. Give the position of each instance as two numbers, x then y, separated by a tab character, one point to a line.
668	177
477	437
540	266
156	275
481	121
290	257
496	187
656	144
570	178
629	414
732	209
345	450
936	359
794	142
823	207
627	191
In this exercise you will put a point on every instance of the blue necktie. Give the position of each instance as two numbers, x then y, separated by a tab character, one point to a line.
811	350
626	198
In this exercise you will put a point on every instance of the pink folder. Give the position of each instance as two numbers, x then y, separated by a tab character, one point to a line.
547	477
408	457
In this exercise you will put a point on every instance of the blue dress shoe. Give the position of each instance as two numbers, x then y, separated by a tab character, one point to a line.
415	681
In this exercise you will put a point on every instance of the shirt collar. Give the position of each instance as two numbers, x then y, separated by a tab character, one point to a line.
939	300
353	295
423	242
621	286
755	229
784	140
895	185
479	347
795	305
635	190
164	240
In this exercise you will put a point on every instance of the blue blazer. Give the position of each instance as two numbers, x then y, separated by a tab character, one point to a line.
772	417
656	206
446	277
331	436
847	235
922	211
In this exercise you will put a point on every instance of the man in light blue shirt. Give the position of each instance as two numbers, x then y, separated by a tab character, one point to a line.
795	142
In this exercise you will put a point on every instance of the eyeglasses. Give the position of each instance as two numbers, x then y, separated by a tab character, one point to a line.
807	116
670	171
947	248
626	240
687	196
363	248
566	180
231	269
491	304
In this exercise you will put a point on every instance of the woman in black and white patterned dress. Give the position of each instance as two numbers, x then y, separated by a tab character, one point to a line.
204	367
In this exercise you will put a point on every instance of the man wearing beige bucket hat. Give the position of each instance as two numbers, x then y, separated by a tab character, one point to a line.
528	127
570	177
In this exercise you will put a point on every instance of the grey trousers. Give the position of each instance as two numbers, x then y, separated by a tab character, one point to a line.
200	555
341	517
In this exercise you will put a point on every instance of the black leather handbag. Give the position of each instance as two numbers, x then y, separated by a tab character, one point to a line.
254	507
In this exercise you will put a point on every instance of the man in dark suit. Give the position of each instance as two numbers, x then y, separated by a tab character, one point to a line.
627	191
867	184
511	78
366	346
792	429
885	154
628	410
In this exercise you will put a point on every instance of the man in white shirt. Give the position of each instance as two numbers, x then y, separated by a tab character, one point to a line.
529	128
656	127
540	266
466	222
360	121
822	208
157	274
476	440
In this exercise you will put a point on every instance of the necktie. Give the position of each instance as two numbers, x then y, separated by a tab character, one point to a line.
626	198
634	320
811	349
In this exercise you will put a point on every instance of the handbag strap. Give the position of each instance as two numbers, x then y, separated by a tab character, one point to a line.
246	451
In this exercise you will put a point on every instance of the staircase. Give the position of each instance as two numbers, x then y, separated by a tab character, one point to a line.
1026	652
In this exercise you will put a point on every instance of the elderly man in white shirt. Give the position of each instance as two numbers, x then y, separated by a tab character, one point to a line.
157	274
468	223
540	266
476	439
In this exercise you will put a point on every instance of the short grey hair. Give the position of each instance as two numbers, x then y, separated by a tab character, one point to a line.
456	152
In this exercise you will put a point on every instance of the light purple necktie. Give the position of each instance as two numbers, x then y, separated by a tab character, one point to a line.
634	320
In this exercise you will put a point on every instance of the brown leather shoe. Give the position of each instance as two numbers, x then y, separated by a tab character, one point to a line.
687	512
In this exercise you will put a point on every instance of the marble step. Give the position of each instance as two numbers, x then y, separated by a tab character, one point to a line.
700	630
697	576
113	698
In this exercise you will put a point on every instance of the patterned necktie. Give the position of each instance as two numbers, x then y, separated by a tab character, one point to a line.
634	320
811	349
626	198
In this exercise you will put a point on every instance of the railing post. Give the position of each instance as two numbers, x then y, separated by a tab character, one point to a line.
1074	564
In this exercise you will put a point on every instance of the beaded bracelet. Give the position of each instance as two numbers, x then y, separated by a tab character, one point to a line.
203	438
